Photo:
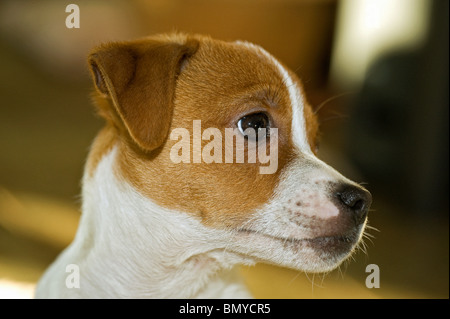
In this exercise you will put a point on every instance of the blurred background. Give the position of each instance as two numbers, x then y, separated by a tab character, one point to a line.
376	71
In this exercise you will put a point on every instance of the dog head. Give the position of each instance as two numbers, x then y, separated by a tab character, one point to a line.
303	215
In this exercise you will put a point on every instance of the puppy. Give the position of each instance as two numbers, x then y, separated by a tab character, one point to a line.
154	226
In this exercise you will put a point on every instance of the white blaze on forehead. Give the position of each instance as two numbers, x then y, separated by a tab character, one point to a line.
298	124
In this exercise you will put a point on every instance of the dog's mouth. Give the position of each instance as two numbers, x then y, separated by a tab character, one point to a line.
315	254
336	243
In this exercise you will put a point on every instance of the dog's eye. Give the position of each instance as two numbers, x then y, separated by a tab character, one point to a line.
252	125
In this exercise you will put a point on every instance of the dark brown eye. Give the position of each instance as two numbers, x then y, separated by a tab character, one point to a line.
254	125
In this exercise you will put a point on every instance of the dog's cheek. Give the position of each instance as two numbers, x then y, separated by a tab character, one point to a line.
234	192
238	191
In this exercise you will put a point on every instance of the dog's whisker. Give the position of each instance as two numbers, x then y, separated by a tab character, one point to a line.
298	68
369	239
372	228
363	247
323	279
327	101
294	278
368	235
311	281
337	116
339	270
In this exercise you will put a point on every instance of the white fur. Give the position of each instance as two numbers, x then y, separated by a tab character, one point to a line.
299	135
129	247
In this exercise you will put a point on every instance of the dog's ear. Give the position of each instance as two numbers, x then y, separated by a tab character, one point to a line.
139	79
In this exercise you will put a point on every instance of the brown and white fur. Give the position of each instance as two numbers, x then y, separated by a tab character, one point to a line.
153	228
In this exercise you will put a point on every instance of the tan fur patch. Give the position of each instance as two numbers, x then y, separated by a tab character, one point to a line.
218	85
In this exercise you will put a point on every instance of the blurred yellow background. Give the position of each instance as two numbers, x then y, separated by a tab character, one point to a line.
376	69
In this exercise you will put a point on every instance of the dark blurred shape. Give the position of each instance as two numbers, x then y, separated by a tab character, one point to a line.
399	130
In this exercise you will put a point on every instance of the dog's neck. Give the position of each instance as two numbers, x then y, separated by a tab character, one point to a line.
144	250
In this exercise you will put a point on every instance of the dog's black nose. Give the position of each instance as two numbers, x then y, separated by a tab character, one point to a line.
357	200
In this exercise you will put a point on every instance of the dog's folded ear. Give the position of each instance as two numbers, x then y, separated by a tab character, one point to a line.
139	78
